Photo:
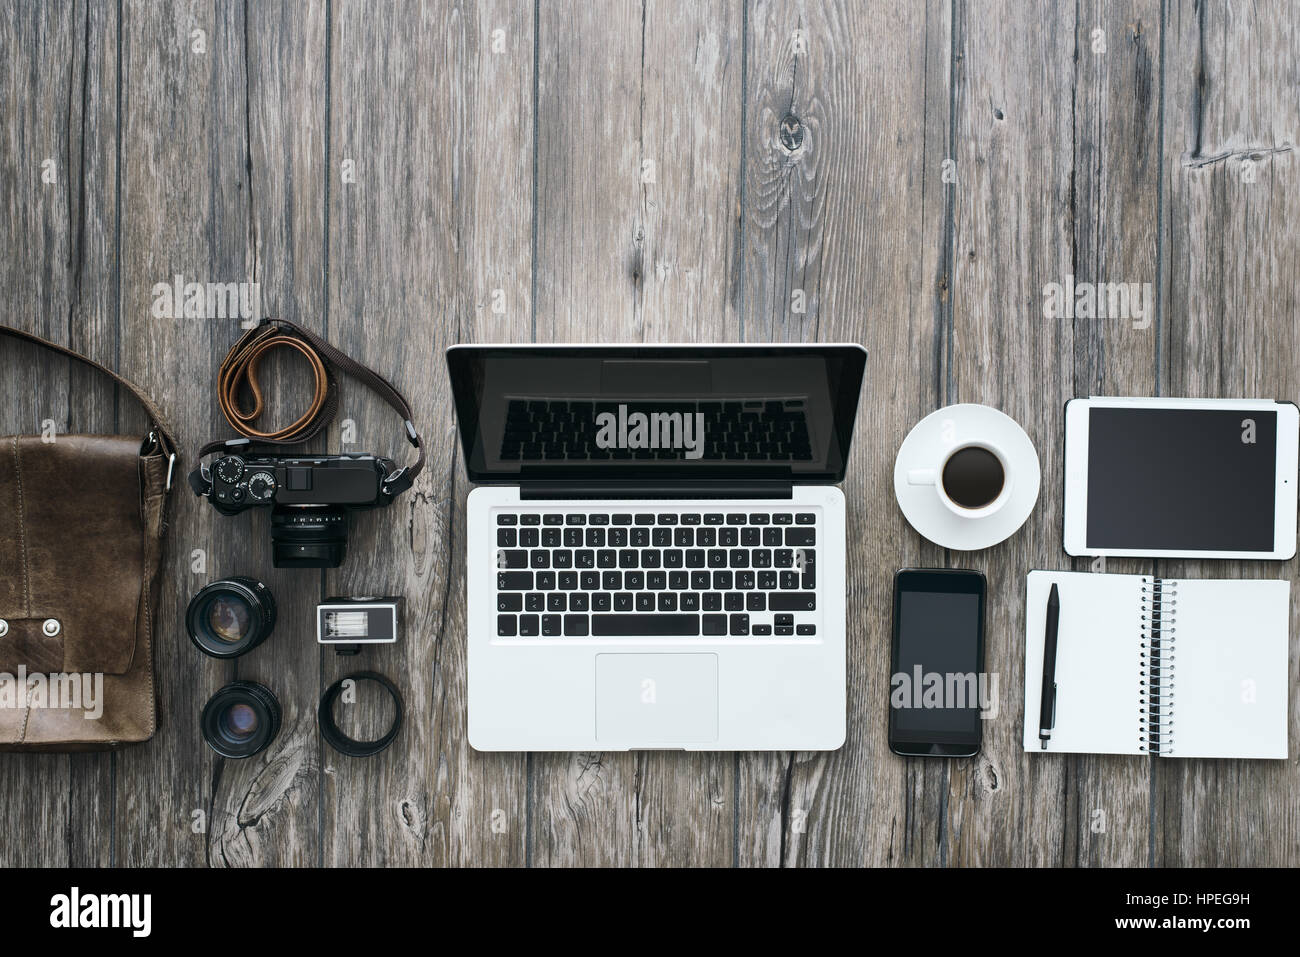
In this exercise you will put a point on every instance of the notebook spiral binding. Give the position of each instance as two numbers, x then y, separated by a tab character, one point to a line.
1159	637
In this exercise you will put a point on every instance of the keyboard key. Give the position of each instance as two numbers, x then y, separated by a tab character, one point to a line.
627	558
660	625
783	630
767	580
740	624
728	537
568	581
552	519
551	538
617	538
584	558
588	581
756	601
695	558
722	581
611	581
528	626
733	601
805	629
713	518
713	601
645	601
534	601
606	558
761	631
510	601
758	518
575	520
575	626
792	601
805	518
622	519
761	558
579	601
539	559
690	601
690	519
573	538
713	624
656	580
700	580
717	558
639	538
668	601
651	559
784	518
562	558
528	537
667	519
750	537
556	601
771	537
673	558
623	601
684	537
512	558
784	558
790	580
634	581
601	601
706	537
506	626
533	519
598	519
507	538
643	519
783	619
545	580
514	581
736	519
738	558
507	519
745	581
795	537
595	538
552	626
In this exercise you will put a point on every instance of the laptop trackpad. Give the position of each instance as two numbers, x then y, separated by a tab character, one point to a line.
657	700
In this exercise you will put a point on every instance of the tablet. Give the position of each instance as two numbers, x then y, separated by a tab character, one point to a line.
1181	478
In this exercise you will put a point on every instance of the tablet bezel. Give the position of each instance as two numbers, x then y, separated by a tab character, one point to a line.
1075	469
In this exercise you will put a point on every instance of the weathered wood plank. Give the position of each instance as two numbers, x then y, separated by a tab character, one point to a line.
189	198
57	191
1233	286
847	123
436	220
638	158
1012	234
1116	105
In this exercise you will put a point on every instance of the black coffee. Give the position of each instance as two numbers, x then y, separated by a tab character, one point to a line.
973	477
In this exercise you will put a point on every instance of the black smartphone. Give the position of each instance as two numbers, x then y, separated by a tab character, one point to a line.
937	682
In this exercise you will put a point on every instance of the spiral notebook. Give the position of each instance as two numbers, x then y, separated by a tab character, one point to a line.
1181	668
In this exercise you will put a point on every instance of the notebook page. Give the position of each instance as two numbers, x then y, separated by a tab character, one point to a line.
1097	661
1230	677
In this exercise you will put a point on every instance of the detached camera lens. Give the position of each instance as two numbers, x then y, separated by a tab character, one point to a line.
240	720
230	617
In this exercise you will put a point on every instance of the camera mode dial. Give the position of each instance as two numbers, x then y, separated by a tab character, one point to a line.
261	485
230	468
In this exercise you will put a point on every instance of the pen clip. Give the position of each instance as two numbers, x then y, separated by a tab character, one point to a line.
1053	705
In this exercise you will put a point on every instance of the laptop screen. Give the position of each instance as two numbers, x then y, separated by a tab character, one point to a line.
656	412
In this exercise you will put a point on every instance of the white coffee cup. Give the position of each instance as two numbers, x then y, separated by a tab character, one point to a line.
934	477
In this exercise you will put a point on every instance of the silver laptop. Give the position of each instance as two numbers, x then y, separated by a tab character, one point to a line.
656	547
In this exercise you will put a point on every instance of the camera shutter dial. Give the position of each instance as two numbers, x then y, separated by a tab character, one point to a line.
261	485
230	469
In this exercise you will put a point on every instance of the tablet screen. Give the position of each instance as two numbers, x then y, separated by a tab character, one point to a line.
1181	479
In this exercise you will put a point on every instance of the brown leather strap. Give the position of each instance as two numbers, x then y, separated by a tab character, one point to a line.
239	370
166	440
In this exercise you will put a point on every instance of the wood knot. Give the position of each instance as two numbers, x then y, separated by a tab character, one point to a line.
792	132
997	114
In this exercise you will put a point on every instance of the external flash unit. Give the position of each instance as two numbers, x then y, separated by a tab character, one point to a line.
348	623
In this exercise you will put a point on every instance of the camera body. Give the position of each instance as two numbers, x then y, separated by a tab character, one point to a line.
309	498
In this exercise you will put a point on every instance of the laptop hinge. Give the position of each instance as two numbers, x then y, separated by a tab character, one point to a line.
700	488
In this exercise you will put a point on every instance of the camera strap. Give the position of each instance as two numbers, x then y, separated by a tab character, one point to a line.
239	369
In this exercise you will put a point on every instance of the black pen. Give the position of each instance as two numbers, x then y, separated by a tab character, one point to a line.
1047	710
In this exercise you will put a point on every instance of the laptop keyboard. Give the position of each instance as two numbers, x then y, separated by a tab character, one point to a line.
584	574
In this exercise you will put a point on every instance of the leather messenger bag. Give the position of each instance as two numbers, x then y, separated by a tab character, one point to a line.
81	541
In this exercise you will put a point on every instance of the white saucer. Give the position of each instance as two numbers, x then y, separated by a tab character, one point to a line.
924	449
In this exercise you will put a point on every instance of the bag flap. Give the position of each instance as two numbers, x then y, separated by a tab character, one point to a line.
72	549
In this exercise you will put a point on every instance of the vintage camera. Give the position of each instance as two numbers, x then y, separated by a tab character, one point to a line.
309	498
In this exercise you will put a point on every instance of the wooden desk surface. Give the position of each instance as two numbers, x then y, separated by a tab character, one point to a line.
402	178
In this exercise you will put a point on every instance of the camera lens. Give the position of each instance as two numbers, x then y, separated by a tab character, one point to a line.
240	720
229	617
308	536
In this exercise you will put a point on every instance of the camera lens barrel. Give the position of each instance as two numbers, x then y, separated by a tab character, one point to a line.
308	536
240	720
230	617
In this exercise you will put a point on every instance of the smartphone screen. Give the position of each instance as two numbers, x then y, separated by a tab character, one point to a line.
937	684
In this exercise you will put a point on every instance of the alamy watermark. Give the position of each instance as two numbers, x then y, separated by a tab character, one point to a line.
1099	300
179	299
651	430
57	690
945	690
